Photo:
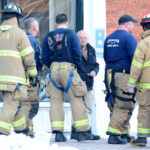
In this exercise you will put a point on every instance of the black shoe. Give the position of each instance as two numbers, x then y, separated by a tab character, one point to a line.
115	139
93	137
140	141
127	137
25	131
81	136
73	133
59	137
31	135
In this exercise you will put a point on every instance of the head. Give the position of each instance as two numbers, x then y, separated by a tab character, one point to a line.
32	26
12	11
126	22
83	37
145	23
61	21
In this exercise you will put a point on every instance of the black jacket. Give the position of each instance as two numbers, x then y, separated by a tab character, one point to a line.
86	67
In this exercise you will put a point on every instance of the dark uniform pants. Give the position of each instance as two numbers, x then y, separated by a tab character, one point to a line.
122	111
60	73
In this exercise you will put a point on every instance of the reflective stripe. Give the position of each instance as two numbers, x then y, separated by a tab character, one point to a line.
143	130
14	79
137	64
31	128
19	122
57	124
143	85
5	27
126	131
132	81
5	125
112	130
26	51
32	72
81	122
11	53
146	64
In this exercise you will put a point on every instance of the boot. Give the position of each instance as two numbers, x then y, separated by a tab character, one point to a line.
73	133
25	131
95	137
140	141
127	137
59	137
116	139
81	136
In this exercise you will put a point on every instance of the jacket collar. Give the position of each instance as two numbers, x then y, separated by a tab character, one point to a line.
145	34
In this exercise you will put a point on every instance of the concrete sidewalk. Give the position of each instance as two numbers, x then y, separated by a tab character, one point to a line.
95	145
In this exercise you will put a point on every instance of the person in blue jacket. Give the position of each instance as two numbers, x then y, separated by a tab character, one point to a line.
62	54
119	48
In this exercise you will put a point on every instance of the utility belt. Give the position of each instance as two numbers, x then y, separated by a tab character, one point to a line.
111	89
69	66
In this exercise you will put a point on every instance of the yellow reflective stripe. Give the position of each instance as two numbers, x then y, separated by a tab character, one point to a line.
126	131
5	125
10	53
5	27
32	72
143	85
81	122
19	122
31	128
146	64
143	130
132	81
26	51
137	64
112	130
13	79
57	124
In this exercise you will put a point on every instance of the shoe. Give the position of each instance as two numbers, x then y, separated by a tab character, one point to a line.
127	137
81	136
94	137
59	137
73	133
31	136
140	141
25	131
116	139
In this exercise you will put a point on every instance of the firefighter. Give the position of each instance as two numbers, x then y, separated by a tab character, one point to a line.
139	78
16	54
31	105
62	53
119	49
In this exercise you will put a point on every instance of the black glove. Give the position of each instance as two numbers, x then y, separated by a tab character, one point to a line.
33	81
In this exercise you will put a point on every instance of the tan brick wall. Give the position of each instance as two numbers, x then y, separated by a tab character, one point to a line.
117	8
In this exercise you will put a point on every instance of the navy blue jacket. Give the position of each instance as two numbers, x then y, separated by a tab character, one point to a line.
119	48
86	66
72	44
36	46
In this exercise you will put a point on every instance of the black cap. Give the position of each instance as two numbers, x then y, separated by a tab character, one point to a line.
126	18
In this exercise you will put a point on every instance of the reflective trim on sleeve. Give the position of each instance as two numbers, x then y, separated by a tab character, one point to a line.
10	53
57	124
5	125
32	72
143	130
132	81
26	51
143	85
146	64
81	122
14	79
19	122
137	64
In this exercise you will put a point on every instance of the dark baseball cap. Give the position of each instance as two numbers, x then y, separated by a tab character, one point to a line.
126	18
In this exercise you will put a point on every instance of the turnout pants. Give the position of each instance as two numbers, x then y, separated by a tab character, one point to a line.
143	98
60	73
11	114
123	106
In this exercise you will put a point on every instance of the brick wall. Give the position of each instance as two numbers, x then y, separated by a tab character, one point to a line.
117	8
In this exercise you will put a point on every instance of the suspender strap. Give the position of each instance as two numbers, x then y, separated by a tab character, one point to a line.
68	84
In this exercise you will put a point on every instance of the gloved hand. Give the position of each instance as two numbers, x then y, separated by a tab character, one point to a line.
33	81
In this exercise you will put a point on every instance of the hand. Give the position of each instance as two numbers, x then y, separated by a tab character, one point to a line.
33	81
131	89
92	74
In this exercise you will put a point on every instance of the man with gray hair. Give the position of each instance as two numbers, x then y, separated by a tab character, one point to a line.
31	105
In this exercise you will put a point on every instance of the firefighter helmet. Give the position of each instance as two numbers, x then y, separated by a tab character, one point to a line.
13	8
145	19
